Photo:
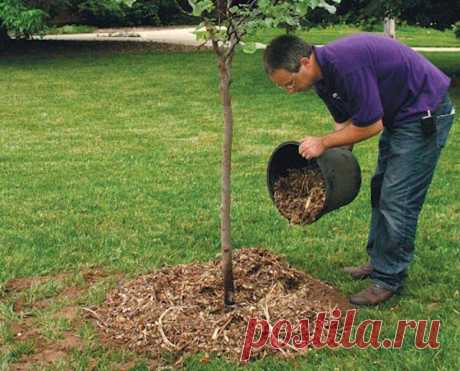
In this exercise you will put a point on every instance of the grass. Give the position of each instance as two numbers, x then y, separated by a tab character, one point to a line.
410	35
113	160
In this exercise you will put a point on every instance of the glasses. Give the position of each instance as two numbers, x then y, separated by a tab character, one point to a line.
289	85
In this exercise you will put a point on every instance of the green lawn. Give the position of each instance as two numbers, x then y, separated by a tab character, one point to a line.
113	161
410	35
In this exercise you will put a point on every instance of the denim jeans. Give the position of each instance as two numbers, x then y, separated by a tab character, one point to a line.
405	167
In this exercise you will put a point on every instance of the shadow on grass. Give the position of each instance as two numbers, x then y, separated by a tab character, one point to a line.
17	48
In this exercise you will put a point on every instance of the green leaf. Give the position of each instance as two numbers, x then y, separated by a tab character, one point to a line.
128	3
330	8
201	6
302	8
201	35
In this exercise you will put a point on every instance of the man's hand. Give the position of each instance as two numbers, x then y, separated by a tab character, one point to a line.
311	147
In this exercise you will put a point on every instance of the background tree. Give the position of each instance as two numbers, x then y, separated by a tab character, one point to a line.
23	18
371	13
225	24
428	13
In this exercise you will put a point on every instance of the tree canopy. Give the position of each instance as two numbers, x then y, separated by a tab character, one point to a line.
427	13
26	17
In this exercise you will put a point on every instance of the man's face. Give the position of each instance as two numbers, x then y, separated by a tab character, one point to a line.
295	82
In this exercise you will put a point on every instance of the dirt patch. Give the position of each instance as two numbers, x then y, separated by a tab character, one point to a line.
94	275
45	351
24	330
69	313
180	309
16	286
27	328
300	196
20	284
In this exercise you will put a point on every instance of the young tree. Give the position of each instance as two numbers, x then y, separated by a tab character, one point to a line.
226	23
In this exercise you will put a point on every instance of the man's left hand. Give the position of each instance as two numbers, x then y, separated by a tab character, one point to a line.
311	147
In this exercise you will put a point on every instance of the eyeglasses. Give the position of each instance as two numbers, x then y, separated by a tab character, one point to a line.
290	85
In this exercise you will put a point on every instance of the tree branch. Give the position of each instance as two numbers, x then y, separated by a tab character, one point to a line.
182	10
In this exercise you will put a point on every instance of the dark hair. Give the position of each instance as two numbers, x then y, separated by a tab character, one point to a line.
285	52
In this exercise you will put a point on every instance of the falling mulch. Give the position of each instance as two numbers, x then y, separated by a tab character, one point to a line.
180	309
300	196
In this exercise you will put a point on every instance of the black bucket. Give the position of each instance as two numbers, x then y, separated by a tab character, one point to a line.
339	167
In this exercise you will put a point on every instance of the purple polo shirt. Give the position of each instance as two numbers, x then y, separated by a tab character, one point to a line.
368	77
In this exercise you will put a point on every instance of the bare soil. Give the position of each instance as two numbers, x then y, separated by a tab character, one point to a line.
300	196
46	351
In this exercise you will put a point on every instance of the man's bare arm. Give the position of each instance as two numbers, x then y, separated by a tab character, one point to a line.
311	147
351	134
341	125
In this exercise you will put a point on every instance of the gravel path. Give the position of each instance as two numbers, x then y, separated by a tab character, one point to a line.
171	35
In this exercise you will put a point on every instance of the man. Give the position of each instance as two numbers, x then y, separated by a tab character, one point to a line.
373	84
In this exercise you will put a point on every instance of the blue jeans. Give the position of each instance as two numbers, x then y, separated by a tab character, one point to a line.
405	167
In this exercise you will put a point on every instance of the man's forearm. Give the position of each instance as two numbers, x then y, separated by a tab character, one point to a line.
351	134
341	125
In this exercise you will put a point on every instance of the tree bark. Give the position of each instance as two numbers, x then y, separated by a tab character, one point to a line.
227	264
389	27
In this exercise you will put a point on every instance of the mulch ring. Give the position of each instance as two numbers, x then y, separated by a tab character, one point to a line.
180	309
300	196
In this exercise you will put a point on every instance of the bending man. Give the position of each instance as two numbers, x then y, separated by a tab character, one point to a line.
371	85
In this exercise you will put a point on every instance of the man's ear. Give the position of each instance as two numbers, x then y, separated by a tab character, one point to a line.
305	61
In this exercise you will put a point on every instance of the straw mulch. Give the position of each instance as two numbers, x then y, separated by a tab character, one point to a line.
179	310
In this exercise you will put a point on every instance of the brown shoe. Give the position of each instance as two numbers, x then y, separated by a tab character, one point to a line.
373	295
359	273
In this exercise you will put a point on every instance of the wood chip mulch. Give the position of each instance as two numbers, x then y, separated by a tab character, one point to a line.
300	196
179	309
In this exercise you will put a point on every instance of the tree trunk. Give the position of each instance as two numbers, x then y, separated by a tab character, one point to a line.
389	28
227	270
4	38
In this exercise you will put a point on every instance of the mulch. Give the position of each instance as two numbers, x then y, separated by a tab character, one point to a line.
300	196
179	310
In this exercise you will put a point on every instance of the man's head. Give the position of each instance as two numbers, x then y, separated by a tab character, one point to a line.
290	63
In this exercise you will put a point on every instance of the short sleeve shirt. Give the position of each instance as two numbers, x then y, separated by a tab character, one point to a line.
368	77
